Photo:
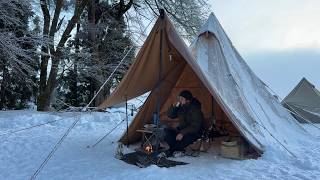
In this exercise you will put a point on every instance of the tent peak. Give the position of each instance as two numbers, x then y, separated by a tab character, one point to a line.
302	87
212	15
304	80
210	25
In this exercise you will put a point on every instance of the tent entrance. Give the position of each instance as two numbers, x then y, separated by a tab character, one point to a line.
212	111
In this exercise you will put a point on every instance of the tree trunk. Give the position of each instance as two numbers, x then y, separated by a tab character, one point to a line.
46	95
43	102
4	84
74	98
94	49
44	48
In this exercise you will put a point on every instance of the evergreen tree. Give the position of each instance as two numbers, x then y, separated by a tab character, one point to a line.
98	47
18	65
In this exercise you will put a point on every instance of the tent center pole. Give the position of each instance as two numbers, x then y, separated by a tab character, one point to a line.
160	67
161	12
127	121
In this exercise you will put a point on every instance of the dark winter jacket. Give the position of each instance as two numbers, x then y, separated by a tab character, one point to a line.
190	117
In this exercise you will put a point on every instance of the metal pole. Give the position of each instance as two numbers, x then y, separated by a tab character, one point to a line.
212	110
160	66
127	121
160	78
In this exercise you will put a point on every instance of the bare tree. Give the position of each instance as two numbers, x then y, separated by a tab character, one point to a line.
187	14
51	24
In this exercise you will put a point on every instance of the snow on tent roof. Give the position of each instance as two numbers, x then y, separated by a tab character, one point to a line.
259	116
304	100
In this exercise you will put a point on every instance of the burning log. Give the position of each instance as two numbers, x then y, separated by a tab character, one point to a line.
148	149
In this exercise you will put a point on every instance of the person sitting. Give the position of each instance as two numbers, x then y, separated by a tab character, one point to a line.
188	110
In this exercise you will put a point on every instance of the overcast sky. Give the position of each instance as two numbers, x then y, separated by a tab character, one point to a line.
279	39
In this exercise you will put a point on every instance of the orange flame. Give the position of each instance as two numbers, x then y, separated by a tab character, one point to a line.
149	149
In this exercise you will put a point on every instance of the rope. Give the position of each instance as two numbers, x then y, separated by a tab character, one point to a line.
68	105
264	126
85	108
295	112
62	139
55	149
139	37
102	138
114	128
42	124
315	107
270	132
116	68
26	128
77	120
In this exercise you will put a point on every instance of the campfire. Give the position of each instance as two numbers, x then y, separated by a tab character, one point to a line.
148	149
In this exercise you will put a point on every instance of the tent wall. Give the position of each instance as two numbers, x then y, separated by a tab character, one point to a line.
222	121
149	107
301	114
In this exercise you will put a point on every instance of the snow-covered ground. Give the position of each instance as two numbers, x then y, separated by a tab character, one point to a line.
22	153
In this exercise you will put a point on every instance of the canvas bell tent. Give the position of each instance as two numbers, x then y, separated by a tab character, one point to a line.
256	113
217	76
304	102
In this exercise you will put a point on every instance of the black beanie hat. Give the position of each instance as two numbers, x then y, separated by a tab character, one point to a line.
186	94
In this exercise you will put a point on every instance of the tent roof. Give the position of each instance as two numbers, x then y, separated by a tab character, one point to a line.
143	74
304	94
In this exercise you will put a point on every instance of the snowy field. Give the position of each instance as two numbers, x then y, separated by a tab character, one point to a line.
22	153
